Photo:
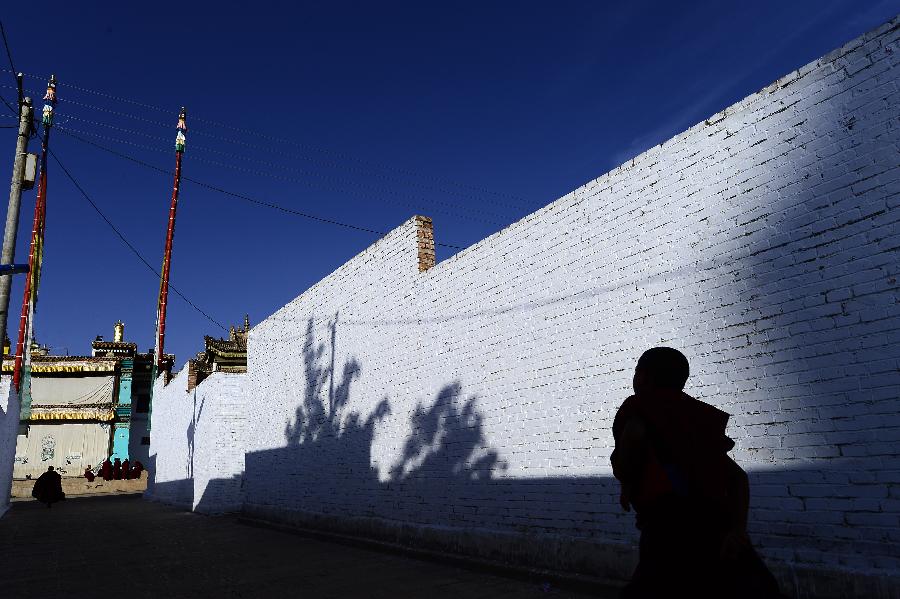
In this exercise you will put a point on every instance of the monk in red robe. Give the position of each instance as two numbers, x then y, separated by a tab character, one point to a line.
117	469
106	470
690	498
48	487
138	468
126	469
89	474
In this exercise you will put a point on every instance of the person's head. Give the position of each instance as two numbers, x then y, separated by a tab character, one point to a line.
118	460
50	469
661	368
89	467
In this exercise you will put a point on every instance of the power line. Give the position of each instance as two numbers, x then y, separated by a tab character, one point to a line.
128	243
449	209
330	163
8	105
244	143
9	56
235	194
310	147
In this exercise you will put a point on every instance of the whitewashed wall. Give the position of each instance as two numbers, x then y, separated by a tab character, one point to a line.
9	425
468	408
170	469
196	444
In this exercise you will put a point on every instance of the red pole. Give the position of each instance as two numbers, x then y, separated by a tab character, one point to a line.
26	297
170	235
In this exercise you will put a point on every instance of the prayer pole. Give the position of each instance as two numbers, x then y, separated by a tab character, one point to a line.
167	256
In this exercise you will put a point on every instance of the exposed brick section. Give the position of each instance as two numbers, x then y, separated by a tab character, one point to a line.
192	375
425	242
476	396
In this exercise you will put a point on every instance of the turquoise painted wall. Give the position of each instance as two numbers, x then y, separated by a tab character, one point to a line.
122	426
120	440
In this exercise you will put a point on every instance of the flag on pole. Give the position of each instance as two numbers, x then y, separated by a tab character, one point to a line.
22	368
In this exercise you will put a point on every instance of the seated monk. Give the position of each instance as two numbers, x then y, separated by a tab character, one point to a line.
89	474
691	499
117	469
126	469
138	468
48	488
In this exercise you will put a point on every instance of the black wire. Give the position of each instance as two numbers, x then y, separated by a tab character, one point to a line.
9	54
238	195
330	183
128	243
303	146
8	105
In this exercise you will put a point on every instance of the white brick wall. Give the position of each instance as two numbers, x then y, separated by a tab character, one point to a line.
173	416
479	395
9	426
196	445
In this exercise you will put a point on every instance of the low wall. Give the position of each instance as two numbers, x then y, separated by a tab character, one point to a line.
74	486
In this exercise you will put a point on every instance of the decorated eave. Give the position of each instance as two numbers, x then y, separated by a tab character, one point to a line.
237	345
149	356
64	364
103	413
114	345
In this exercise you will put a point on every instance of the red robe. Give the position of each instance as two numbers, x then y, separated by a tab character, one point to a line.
126	469
89	475
106	470
689	448
679	489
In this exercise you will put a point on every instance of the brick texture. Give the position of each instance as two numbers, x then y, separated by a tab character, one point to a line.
196	449
477	394
9	425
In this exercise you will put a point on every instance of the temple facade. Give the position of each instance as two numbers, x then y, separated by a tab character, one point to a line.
220	355
85	409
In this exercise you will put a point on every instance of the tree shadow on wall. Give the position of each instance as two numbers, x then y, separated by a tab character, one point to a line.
447	490
328	463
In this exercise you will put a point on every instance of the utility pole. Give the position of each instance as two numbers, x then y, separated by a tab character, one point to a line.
26	113
35	259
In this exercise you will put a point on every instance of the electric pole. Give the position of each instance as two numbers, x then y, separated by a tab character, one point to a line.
26	113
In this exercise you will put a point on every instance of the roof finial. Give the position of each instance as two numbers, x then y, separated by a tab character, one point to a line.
50	97
182	127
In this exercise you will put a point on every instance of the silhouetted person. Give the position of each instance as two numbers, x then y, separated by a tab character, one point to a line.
691	499
106	470
126	469
138	468
117	469
48	488
89	474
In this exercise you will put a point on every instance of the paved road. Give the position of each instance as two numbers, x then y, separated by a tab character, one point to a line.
123	546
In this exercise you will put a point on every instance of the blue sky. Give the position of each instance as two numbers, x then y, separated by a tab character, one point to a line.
473	113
